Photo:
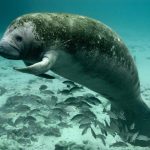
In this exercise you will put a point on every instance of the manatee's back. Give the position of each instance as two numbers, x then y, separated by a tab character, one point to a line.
91	41
99	51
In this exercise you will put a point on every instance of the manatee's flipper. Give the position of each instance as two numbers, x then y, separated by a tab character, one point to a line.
41	67
46	76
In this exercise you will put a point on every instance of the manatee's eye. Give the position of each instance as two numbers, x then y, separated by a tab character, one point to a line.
18	38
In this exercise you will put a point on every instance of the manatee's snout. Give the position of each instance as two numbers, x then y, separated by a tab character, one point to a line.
9	51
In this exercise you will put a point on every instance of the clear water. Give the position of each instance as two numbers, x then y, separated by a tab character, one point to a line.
29	116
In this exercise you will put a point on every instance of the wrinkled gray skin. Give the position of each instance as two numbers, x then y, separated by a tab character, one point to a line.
83	50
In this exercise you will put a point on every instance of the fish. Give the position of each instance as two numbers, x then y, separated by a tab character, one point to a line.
85	121
64	125
93	100
77	102
89	114
143	138
119	144
132	126
43	87
98	123
52	132
115	127
93	133
111	131
76	89
53	118
13	101
85	130
83	105
22	108
102	137
47	92
33	111
70	83
70	109
70	100
84	125
29	119
104	131
134	136
77	117
64	92
30	99
106	124
61	104
19	120
59	111
51	102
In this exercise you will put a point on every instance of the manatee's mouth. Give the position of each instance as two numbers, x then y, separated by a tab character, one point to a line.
9	51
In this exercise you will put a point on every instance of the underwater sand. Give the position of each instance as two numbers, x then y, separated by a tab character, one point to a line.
35	113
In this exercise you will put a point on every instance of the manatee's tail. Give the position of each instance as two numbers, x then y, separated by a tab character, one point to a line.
142	119
139	113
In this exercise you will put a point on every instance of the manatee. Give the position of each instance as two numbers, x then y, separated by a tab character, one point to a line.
80	49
